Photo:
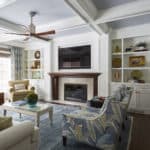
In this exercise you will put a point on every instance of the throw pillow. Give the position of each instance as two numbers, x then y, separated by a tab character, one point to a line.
20	87
5	122
96	102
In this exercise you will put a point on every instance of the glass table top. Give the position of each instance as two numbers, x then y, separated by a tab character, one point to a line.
36	108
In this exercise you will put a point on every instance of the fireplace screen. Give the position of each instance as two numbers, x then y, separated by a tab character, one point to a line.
75	92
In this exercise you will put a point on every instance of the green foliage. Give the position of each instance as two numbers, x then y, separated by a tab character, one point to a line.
32	98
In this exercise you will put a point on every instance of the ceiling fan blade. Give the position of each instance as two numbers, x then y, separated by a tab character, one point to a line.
47	32
39	37
24	34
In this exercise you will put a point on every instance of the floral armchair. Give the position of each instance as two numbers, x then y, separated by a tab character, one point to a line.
98	127
19	89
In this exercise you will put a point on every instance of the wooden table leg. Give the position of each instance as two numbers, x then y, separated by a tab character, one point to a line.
51	115
5	112
20	115
37	120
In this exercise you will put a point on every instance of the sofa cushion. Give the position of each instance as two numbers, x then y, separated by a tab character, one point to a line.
5	122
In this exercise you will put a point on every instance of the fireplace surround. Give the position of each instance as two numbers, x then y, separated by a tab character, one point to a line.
55	76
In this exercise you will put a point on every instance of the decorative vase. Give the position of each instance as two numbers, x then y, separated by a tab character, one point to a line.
32	99
32	103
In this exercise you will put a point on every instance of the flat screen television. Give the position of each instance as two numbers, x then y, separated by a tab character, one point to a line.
78	57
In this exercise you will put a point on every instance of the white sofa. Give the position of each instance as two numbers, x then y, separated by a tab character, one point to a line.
21	136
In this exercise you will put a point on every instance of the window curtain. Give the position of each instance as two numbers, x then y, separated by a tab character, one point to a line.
16	63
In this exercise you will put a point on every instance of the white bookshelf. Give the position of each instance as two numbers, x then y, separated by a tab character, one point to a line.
122	74
33	67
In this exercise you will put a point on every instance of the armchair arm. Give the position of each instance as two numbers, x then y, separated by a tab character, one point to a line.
15	134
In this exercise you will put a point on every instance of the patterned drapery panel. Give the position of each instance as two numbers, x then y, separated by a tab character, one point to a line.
16	63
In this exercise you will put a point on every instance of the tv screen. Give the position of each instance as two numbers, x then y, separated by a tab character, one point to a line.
75	57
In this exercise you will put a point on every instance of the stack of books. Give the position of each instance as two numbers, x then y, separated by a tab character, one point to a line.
19	103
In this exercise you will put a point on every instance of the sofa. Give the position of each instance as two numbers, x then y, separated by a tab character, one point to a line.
20	136
18	89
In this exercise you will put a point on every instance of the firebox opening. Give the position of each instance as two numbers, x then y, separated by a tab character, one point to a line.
75	92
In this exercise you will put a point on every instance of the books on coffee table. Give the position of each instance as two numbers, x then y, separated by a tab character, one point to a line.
19	103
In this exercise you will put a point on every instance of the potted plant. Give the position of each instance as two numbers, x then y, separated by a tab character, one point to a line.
32	99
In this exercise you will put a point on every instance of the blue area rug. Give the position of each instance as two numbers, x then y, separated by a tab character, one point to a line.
50	136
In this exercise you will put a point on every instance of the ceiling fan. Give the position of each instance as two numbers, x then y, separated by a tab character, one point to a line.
31	30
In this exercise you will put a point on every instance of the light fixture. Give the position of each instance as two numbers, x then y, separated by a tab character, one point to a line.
4	3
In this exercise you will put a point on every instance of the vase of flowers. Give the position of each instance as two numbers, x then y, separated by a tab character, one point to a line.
32	99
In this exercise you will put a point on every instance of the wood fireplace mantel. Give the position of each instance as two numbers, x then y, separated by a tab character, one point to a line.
56	75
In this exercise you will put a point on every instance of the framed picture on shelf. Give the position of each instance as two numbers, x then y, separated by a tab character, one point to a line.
116	62
116	76
136	61
37	54
36	75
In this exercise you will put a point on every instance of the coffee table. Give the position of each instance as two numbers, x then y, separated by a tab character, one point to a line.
35	112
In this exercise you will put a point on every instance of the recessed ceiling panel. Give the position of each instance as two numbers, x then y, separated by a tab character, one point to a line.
144	19
49	11
104	4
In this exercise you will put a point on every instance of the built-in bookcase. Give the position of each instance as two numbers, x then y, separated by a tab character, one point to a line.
128	59
33	64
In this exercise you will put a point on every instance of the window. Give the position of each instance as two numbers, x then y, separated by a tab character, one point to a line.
5	70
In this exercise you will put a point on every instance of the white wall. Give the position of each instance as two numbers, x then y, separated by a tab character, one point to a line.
99	59
91	38
99	56
44	84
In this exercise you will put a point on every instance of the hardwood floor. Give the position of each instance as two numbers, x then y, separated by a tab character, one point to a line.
140	134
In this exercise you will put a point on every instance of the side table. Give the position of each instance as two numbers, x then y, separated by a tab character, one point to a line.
1	98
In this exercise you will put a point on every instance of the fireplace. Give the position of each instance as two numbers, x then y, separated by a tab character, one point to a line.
75	92
73	78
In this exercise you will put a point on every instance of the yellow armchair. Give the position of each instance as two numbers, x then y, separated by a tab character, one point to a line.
19	89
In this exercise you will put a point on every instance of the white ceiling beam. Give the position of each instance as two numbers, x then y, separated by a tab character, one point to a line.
61	25
89	7
10	25
87	11
124	11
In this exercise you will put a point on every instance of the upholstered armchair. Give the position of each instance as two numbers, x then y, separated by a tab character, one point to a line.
96	127
19	89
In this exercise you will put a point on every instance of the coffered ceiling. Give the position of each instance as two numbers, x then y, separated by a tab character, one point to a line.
49	11
105	4
102	15
74	16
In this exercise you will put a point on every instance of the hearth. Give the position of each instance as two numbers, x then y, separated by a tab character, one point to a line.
75	92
